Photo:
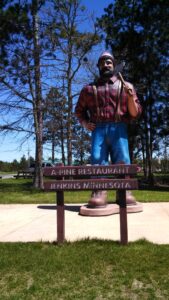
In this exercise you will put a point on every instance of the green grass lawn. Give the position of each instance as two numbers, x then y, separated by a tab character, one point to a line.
84	270
21	191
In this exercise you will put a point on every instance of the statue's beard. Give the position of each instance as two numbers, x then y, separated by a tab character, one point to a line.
106	74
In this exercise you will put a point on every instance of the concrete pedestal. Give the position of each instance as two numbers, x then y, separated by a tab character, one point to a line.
109	209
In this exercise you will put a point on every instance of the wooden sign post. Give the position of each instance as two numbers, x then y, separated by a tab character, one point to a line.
73	178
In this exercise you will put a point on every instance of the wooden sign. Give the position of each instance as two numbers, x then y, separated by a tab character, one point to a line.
90	170
91	184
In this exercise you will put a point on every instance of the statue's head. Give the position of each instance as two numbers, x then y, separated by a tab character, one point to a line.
106	64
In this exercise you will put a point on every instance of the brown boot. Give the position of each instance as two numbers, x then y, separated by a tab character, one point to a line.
98	199
130	199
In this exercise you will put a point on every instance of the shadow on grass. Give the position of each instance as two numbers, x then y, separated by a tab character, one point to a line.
156	187
73	208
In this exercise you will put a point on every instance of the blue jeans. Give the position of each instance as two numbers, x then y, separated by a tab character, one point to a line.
110	139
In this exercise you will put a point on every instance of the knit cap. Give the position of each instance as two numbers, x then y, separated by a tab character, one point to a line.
106	54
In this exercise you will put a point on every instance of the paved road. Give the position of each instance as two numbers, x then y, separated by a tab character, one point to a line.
38	223
7	176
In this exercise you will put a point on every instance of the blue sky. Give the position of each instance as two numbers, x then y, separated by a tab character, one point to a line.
96	6
10	148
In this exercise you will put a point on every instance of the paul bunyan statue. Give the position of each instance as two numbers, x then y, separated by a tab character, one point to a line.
105	107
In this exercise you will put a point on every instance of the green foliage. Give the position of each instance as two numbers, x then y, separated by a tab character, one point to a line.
23	163
13	18
16	165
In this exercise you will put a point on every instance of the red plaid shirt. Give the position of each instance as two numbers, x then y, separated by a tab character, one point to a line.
111	100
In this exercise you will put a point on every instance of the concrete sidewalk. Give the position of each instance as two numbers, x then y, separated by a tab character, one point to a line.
28	223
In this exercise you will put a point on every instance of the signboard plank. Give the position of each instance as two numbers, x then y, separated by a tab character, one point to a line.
117	169
91	184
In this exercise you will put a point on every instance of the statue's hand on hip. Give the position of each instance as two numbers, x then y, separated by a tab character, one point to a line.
89	125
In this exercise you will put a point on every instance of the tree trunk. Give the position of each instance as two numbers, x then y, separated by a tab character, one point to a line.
69	123
53	147
143	154
150	175
38	179
62	144
69	140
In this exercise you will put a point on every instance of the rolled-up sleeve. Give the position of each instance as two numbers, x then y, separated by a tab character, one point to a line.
139	107
137	102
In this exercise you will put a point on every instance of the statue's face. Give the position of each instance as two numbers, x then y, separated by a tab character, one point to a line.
106	67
